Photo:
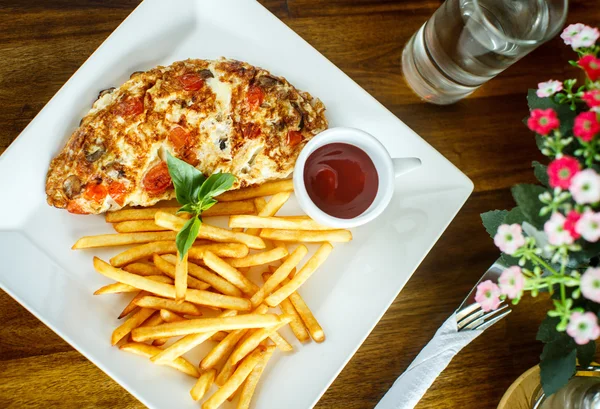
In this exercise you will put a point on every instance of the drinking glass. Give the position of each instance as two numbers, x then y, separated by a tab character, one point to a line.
467	42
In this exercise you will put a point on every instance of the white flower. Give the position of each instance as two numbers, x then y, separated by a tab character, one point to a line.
585	38
590	284
585	187
570	32
589	226
555	230
548	88
583	327
509	238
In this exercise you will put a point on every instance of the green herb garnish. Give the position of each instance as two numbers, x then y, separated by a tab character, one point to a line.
195	193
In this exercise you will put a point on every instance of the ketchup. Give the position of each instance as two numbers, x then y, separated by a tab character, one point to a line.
341	180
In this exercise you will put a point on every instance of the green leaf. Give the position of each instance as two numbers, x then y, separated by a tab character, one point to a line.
187	208
187	235
186	179
541	173
492	220
515	215
207	204
527	199
558	363
547	331
216	184
566	116
585	353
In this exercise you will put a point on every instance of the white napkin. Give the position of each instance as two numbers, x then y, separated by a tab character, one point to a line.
410	387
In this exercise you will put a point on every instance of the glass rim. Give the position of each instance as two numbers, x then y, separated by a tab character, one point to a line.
519	41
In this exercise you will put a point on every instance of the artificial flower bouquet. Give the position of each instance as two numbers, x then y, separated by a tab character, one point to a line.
551	239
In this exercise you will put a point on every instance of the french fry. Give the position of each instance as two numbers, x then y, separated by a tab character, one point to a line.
286	223
168	291
266	189
219	209
233	250
219	283
148	351
296	324
307	236
132	306
124	288
269	209
282	272
155	320
258	259
209	232
142	269
158	303
204	382
198	325
170	316
187	343
109	240
304	274
259	203
255	339
225	373
132	322
171	271
229	273
219	336
222	349
238	377
181	276
134	226
281	342
249	386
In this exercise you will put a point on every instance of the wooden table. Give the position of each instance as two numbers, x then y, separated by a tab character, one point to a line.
42	42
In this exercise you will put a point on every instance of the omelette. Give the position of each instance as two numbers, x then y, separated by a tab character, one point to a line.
217	115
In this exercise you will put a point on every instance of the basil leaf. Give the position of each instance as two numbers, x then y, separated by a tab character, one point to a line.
207	204
187	208
186	179
187	235
216	184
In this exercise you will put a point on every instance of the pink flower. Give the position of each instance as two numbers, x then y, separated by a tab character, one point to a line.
583	327
488	295
585	38
590	284
556	232
586	126
543	121
572	219
570	32
592	98
509	238
591	66
561	171
512	282
548	88
585	187
589	226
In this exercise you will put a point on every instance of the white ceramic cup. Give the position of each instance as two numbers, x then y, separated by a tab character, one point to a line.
388	169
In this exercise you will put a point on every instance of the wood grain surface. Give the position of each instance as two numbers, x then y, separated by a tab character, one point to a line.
43	42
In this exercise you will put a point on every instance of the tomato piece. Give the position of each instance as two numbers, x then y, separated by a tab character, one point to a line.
294	138
251	131
191	82
157	180
75	208
130	106
255	97
179	138
117	191
95	192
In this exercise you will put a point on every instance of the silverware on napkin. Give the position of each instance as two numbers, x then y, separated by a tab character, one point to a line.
463	326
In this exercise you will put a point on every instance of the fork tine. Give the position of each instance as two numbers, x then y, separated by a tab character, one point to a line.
485	325
483	317
474	316
460	315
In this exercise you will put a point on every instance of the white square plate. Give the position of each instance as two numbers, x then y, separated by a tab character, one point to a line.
56	284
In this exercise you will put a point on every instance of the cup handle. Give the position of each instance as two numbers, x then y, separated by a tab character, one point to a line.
405	165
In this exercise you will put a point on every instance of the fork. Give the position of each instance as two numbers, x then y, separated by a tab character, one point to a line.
463	326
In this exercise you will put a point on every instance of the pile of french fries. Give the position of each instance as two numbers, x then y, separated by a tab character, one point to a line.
182	302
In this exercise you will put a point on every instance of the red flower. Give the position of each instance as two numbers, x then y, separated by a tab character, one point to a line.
543	121
572	219
592	98
591	66
561	171
586	126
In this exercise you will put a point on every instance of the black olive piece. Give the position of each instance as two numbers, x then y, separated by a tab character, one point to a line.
204	74
223	144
